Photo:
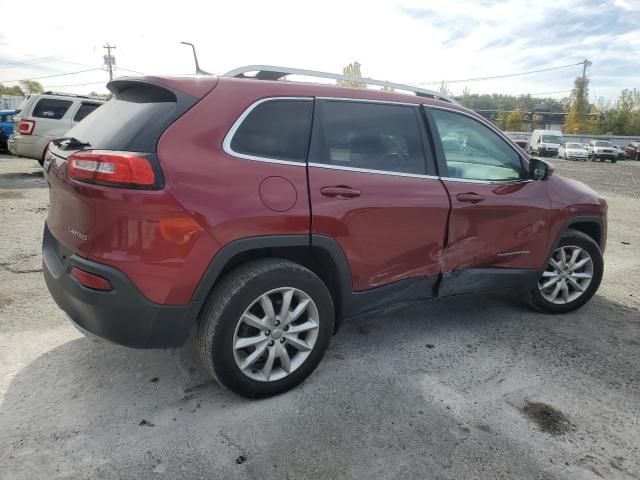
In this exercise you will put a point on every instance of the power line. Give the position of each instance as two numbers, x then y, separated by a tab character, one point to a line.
32	61
506	75
549	93
129	70
76	84
51	76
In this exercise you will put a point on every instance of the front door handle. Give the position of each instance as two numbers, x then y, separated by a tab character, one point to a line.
470	197
340	191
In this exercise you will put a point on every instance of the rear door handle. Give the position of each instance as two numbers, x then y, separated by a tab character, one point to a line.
340	191
470	197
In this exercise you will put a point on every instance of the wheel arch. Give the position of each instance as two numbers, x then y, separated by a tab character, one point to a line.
591	226
319	253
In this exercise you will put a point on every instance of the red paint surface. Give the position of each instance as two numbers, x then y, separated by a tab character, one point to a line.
509	218
394	230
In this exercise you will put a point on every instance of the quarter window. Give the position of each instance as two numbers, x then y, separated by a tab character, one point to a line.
276	129
372	136
84	110
473	151
51	108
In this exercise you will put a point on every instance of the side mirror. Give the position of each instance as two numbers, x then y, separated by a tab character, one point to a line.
539	169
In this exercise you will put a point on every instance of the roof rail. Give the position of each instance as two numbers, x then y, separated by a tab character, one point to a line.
270	72
73	95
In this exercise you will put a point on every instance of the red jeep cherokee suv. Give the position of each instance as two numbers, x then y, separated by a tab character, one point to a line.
262	212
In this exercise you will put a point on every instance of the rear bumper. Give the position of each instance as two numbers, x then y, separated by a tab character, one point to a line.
123	315
30	146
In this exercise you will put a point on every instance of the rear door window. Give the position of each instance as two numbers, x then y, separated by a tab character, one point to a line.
84	110
369	136
275	129
51	108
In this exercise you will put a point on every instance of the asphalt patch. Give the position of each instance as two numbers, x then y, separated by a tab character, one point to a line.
549	419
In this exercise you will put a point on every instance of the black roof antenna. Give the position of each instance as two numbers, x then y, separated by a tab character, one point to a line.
199	71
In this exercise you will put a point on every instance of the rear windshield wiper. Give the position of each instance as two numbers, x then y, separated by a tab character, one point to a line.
72	142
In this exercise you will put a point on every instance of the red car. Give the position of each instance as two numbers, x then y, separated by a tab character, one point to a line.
263	212
632	150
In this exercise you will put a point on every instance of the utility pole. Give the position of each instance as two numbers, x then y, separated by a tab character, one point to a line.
109	60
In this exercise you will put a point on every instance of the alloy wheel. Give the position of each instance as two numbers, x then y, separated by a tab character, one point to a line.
275	334
567	276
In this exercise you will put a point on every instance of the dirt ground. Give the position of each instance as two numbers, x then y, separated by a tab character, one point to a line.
468	388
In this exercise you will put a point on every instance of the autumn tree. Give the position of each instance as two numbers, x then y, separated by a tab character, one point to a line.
578	107
352	70
513	122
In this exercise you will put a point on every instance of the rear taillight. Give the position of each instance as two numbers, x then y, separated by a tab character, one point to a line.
112	168
25	127
91	280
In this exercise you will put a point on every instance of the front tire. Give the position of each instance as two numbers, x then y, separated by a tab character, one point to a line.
571	277
265	327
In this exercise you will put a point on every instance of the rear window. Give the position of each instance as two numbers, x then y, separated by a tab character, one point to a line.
132	121
277	129
84	110
52	108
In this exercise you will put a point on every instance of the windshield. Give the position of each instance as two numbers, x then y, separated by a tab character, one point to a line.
603	144
577	146
551	139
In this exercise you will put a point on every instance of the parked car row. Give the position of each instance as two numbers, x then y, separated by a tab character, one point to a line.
44	117
551	143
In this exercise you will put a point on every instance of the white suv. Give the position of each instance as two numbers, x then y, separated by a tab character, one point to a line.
44	117
602	150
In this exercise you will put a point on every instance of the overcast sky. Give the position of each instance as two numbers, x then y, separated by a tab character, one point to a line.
404	41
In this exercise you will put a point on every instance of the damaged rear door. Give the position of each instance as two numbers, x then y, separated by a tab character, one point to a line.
499	220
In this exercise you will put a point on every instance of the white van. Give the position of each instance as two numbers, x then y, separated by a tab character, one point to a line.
44	117
545	143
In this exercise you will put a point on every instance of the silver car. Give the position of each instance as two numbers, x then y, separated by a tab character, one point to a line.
44	117
573	151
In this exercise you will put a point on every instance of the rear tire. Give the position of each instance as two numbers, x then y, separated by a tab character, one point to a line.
579	277
248	308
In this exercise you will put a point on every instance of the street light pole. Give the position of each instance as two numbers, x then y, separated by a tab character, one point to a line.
199	71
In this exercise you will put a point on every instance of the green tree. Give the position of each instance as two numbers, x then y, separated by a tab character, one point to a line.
444	90
352	70
578	107
14	90
513	122
500	119
625	116
31	86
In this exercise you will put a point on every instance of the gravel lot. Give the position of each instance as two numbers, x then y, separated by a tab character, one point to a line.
470	388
